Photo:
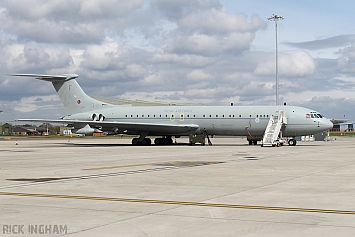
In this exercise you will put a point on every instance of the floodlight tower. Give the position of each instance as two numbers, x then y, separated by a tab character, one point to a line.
276	18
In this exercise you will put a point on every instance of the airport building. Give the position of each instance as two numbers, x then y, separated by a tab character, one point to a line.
343	127
5	129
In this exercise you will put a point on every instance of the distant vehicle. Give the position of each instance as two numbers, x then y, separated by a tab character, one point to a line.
86	115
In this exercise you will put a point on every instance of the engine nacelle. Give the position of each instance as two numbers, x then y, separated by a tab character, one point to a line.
86	117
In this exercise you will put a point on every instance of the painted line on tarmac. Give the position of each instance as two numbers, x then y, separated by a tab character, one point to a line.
181	203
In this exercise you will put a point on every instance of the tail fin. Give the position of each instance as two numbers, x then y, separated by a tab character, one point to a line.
72	96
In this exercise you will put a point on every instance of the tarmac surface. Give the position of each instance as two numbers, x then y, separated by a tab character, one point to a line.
106	187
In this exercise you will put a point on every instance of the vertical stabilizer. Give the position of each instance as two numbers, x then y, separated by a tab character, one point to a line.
72	96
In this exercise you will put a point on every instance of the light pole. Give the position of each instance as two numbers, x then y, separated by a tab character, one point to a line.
276	18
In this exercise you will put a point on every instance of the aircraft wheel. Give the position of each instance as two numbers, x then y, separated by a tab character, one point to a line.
255	142
292	142
250	142
135	142
146	142
157	141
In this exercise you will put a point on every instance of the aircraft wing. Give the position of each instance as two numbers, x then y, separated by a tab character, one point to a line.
155	128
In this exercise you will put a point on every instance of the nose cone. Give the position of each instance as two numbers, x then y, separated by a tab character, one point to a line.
328	124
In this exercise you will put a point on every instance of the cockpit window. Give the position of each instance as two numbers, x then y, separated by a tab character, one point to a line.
314	115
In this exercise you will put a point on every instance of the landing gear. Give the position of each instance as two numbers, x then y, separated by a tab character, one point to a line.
292	142
144	142
163	141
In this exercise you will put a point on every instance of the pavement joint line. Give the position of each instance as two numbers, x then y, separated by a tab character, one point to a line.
165	166
169	163
181	203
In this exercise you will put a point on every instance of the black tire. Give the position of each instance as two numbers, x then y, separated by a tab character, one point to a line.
292	142
135	142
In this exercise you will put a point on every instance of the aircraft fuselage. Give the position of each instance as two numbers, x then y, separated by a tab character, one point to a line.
217	120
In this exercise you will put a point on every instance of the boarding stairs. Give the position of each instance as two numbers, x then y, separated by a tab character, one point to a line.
272	135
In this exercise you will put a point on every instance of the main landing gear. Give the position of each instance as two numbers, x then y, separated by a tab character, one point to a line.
144	142
163	141
147	141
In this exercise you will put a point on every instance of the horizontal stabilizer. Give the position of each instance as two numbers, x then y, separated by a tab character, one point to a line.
51	78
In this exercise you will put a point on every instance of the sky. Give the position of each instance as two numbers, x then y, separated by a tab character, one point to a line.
186	51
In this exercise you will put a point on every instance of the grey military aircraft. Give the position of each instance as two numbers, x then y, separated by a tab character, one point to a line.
86	114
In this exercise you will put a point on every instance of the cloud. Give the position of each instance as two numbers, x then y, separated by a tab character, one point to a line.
331	42
174	10
290	64
74	22
346	61
214	31
193	51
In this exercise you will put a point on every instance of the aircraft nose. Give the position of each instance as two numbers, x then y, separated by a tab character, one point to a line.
328	124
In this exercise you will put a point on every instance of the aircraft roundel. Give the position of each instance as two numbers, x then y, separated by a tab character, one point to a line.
78	101
257	120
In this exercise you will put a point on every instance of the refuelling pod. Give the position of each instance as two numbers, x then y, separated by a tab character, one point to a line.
87	130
